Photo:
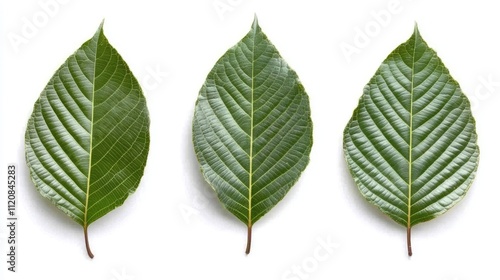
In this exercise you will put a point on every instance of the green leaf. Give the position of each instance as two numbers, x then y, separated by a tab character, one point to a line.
87	139
411	142
252	129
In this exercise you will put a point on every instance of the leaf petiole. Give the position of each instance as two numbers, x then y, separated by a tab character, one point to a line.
249	240
87	245
408	240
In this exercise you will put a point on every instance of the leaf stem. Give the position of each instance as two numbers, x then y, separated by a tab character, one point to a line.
408	240
87	245
249	240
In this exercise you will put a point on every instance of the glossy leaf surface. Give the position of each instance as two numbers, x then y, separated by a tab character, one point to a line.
252	129
411	142
87	139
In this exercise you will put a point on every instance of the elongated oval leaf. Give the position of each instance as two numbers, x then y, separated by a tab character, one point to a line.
87	139
252	130
411	142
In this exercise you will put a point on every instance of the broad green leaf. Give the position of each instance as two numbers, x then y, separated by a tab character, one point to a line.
252	129
87	139
411	142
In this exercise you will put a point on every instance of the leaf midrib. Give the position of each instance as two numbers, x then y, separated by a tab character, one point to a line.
87	193
250	168
410	147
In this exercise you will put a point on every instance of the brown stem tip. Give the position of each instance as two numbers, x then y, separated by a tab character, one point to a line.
249	240
87	245
408	240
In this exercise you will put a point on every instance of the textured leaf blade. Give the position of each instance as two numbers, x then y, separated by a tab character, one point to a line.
87	139
252	130
411	144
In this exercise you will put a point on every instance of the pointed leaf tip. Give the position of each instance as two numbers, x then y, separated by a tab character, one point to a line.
255	24
416	32
100	31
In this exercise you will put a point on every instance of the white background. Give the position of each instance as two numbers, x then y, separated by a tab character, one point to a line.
173	227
